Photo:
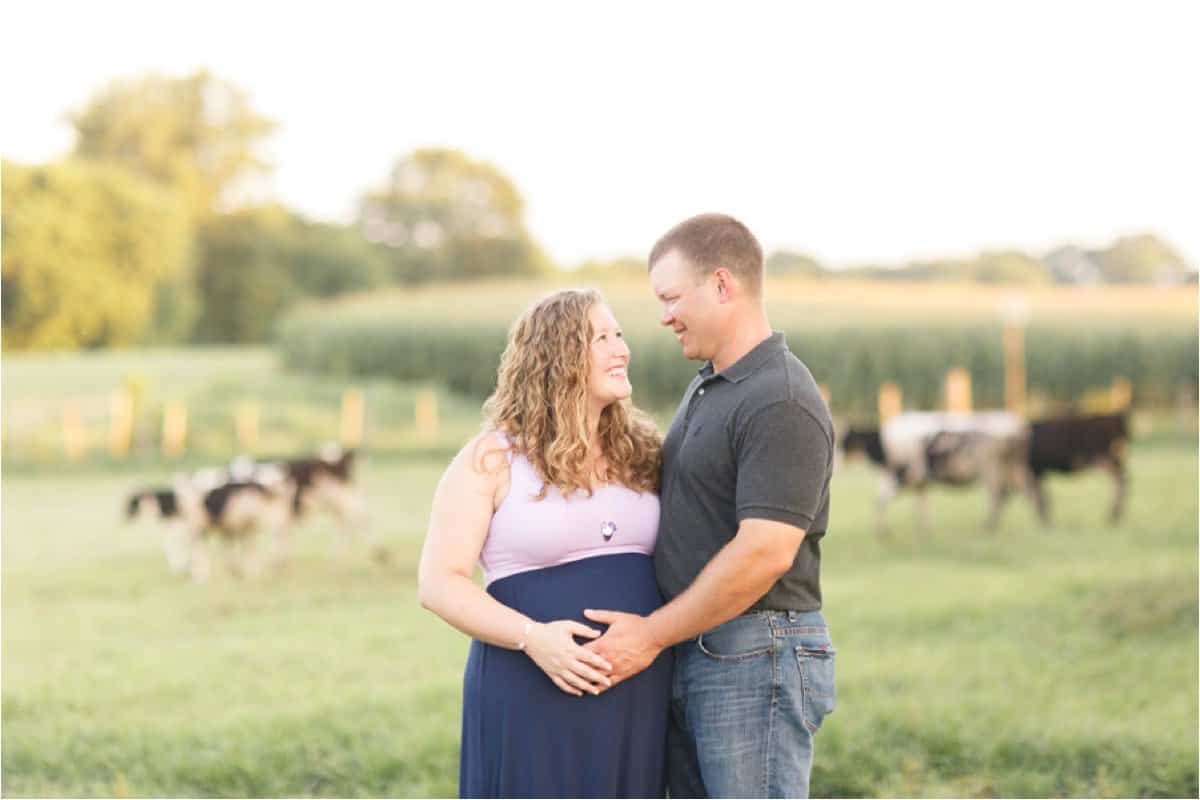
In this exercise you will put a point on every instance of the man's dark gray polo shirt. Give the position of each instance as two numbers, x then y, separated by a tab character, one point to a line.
752	442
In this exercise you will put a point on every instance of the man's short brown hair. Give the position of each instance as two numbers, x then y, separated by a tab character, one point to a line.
711	241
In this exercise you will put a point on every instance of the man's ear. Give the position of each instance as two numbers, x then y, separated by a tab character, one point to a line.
726	285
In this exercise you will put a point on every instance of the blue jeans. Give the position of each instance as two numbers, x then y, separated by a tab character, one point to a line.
747	699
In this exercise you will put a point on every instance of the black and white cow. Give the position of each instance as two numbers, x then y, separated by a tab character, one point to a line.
212	504
161	505
322	483
1074	443
917	449
246	514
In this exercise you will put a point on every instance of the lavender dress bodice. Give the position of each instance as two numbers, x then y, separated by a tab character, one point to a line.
527	534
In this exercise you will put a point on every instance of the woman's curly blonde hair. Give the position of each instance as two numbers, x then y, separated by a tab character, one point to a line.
541	402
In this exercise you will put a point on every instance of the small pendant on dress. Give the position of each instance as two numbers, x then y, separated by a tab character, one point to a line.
607	530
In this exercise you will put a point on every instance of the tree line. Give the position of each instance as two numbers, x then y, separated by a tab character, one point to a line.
148	232
1138	259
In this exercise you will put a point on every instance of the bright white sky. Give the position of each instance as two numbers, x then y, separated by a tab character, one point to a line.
852	131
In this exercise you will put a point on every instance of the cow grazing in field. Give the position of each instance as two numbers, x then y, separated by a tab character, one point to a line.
322	483
162	506
241	513
158	504
1074	443
210	503
918	449
326	483
862	441
248	502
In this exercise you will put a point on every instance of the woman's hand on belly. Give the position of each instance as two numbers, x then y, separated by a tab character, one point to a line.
573	669
628	643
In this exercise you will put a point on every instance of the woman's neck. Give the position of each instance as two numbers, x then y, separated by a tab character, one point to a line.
593	427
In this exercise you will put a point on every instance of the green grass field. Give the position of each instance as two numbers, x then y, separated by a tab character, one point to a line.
1027	663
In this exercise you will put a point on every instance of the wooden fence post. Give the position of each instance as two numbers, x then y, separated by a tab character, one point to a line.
427	413
120	433
890	402
1122	394
1014	368
246	424
352	418
174	433
958	390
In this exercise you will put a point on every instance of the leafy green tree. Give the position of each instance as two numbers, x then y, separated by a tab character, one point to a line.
442	215
87	250
198	134
1002	267
1009	266
254	263
1141	259
325	259
599	269
783	262
176	306
241	274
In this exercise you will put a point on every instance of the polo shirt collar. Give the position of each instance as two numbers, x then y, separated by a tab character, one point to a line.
749	363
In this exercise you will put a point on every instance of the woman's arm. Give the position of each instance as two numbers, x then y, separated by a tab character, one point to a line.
458	525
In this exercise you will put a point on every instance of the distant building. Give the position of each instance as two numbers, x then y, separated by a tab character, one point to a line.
1075	265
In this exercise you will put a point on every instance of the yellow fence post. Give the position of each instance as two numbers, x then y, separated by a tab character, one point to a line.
958	390
889	401
427	413
120	432
246	423
1015	312
352	418
1014	368
74	437
174	433
1122	394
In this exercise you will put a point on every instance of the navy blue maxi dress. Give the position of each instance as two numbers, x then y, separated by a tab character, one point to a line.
522	736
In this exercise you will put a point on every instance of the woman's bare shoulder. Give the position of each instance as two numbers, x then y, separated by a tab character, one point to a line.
487	453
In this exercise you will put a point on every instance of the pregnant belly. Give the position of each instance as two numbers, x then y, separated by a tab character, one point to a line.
620	582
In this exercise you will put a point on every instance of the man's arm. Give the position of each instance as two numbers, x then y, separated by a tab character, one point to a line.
740	573
783	455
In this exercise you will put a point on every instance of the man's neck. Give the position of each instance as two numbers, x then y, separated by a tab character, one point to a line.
748	334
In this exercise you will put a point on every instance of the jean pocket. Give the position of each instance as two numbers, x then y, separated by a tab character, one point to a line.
819	695
741	638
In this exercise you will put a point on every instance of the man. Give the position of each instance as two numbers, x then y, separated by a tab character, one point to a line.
745	501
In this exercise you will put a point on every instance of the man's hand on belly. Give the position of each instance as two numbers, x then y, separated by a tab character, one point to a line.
627	644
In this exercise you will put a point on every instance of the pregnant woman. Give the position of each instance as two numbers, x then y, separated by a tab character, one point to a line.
557	502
